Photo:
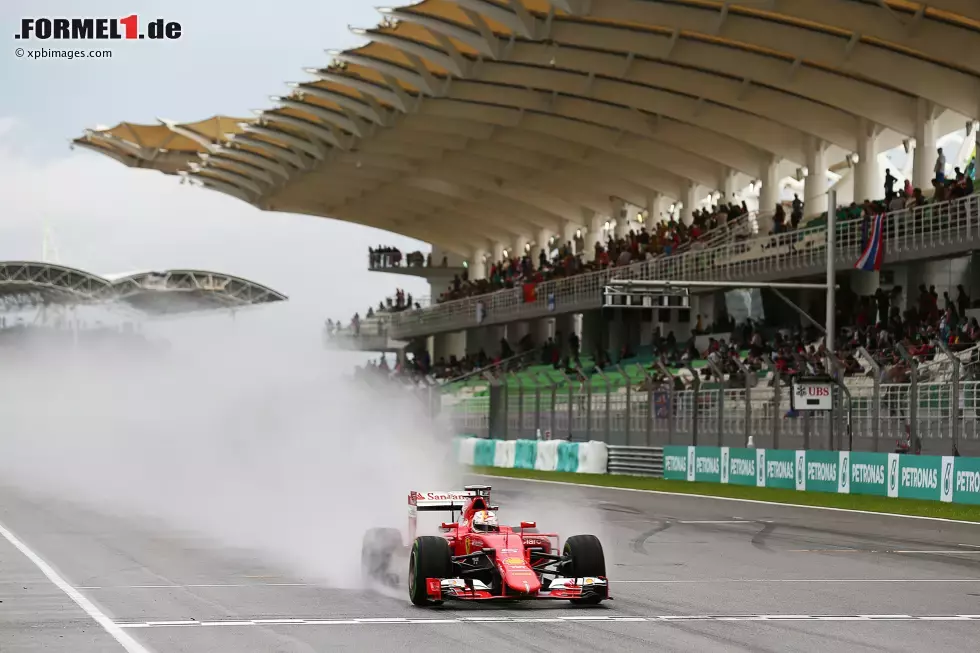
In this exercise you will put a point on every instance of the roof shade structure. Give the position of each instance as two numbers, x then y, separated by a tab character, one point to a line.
26	284
167	146
173	292
465	122
29	284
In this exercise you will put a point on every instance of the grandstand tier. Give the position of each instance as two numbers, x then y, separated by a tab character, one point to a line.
481	126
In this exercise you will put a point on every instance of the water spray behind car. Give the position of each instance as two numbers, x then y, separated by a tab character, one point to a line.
245	432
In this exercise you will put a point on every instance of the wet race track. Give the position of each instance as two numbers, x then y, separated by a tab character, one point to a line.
692	574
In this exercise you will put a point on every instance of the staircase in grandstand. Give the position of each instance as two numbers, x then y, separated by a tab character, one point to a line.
932	231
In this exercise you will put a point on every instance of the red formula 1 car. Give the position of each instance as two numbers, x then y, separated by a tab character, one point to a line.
476	559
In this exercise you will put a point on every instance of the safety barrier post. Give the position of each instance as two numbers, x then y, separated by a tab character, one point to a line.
520	404
801	367
498	409
720	375
629	400
671	399
914	445
588	403
777	392
696	384
553	409
537	408
648	381
876	407
747	374
608	411
845	394
836	368
954	408
568	384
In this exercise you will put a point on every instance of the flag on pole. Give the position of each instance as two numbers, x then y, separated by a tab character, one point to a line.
870	260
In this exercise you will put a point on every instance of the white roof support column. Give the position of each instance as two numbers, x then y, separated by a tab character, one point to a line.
656	204
731	187
498	252
925	144
619	217
544	235
568	229
769	195
815	186
690	203
522	245
478	264
866	176
596	235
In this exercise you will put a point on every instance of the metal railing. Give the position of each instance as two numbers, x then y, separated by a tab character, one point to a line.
636	461
943	415
933	230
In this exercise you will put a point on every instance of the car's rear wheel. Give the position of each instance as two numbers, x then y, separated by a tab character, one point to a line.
377	549
431	558
584	559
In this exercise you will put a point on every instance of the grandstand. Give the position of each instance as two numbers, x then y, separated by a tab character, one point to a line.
545	147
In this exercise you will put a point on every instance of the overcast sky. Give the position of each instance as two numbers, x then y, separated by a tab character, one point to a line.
107	218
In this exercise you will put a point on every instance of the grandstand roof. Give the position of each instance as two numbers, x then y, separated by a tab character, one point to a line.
185	291
167	146
466	121
27	284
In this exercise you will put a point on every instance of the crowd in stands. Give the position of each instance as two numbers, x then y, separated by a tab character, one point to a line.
664	239
874	323
400	302
383	257
709	227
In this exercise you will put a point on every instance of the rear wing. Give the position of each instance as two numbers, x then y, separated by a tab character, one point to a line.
452	501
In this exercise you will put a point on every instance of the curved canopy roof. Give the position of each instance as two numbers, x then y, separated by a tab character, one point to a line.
25	283
186	291
466	121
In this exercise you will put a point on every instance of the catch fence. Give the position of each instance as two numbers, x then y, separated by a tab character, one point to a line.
942	416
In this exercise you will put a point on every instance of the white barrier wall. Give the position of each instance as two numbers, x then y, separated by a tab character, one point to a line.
541	455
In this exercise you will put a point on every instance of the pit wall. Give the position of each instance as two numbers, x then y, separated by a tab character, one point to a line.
931	478
542	455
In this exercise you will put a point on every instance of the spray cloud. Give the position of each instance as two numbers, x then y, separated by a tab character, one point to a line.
246	431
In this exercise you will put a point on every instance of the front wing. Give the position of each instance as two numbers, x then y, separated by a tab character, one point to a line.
459	589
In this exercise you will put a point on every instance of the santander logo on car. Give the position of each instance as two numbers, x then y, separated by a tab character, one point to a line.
445	496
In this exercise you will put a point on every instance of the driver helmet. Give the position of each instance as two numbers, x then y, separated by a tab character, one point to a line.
485	521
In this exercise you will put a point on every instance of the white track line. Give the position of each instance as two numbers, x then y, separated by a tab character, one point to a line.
205	585
381	621
615	580
115	630
716	498
801	580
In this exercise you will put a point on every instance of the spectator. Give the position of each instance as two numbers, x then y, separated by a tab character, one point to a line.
889	184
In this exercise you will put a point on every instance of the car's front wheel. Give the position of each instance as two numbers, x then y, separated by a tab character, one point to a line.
431	558
584	559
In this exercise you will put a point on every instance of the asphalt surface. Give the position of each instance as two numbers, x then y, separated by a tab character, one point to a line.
688	574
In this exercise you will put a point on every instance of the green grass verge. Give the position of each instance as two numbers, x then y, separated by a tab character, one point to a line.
846	501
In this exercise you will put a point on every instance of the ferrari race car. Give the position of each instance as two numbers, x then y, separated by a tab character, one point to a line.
477	559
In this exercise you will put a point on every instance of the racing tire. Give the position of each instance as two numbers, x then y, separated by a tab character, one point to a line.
430	558
585	558
377	548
